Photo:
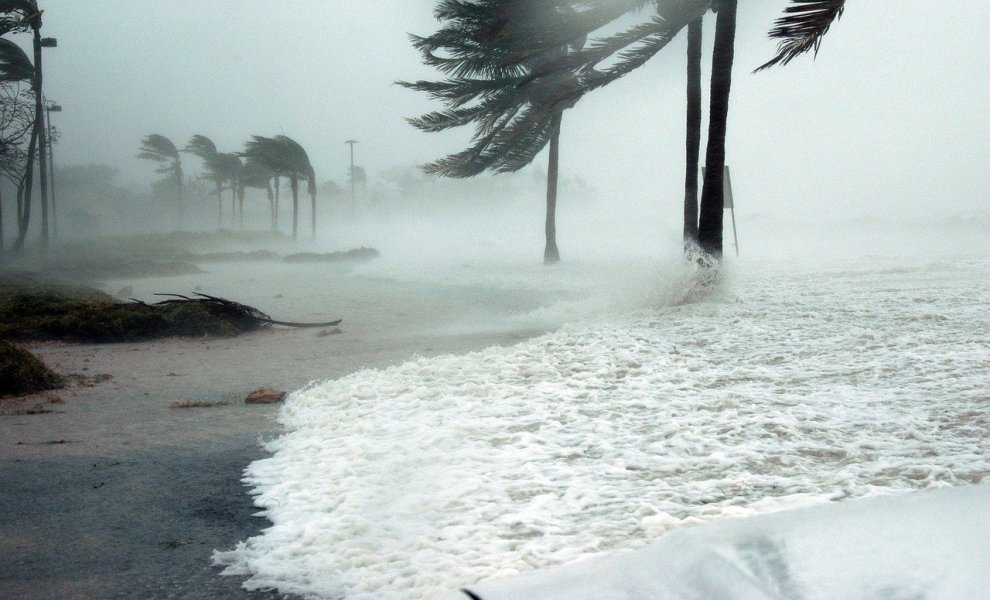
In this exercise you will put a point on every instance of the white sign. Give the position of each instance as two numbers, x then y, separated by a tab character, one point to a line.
726	187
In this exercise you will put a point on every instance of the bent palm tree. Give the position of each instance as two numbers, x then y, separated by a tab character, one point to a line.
492	49
231	167
206	150
161	150
285	157
257	174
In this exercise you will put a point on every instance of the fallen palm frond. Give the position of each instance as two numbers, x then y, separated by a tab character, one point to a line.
41	313
232	310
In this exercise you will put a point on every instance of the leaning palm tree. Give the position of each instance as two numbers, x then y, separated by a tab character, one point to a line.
285	157
299	167
206	150
257	174
490	49
161	150
231	167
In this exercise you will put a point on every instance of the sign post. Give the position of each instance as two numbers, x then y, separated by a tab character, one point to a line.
727	189
727	202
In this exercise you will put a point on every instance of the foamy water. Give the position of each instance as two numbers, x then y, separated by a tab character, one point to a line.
792	387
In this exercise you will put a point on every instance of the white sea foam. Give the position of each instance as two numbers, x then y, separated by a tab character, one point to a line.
799	387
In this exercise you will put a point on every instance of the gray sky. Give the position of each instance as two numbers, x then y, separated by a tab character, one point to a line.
893	114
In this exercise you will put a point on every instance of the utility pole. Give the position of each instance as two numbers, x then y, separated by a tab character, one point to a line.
51	107
353	196
39	116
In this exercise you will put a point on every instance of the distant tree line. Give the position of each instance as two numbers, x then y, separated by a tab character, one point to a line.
513	67
263	163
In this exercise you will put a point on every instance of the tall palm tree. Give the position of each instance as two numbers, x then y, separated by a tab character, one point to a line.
161	150
693	141
264	153
231	167
712	194
206	150
490	50
285	157
299	167
257	174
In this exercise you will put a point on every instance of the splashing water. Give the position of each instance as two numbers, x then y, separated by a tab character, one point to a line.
801	388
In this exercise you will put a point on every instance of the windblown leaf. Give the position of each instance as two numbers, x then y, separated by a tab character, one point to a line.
802	28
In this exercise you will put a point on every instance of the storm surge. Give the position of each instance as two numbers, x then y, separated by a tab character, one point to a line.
798	387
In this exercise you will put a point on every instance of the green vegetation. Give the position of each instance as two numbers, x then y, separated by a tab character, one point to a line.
22	373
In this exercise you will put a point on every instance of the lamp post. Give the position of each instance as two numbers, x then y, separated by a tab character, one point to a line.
353	198
50	107
39	115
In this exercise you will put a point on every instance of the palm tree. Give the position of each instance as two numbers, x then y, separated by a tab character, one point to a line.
693	141
257	174
491	49
285	157
161	150
230	168
263	154
206	150
712	194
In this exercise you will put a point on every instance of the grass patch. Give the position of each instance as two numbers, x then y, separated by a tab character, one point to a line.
22	373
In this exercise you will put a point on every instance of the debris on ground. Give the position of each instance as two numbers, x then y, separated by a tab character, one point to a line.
265	395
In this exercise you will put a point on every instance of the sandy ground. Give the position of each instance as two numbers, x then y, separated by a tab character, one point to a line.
115	494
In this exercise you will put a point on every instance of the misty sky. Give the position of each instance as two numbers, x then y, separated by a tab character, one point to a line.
892	116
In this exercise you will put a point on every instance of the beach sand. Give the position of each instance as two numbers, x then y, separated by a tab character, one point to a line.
115	494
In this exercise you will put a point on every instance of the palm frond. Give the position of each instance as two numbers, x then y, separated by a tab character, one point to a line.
18	15
158	148
201	146
14	63
801	29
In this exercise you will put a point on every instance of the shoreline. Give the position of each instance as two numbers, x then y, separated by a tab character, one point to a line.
117	495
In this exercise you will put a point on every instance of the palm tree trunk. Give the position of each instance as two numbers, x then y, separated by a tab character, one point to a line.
550	253
712	195
241	190
178	187
693	142
24	191
294	184
233	203
278	185
219	205
271	204
312	200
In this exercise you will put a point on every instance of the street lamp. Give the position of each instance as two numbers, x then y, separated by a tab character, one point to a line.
51	107
353	201
39	43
